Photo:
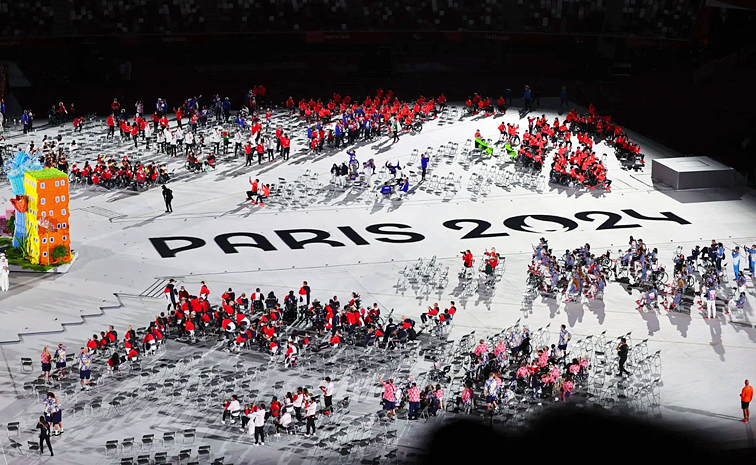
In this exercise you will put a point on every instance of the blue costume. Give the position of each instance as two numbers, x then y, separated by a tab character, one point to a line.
676	299
720	256
736	261
751	259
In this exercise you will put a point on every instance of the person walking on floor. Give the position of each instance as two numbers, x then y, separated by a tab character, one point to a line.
622	350
85	368
171	294
564	338
424	158
413	395
311	408
746	395
46	357
4	273
44	435
258	421
328	392
168	197
53	414
526	97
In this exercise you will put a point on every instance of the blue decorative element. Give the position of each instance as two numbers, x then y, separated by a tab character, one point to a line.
16	168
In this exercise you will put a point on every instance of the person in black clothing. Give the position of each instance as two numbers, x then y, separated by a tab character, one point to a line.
115	362
524	349
306	289
622	349
171	293
44	435
168	197
390	329
369	338
344	173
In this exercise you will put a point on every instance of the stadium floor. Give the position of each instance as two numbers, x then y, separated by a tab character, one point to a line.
117	235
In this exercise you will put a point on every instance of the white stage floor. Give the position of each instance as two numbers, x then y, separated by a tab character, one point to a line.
115	232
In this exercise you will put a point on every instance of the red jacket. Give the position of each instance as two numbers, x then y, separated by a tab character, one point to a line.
275	408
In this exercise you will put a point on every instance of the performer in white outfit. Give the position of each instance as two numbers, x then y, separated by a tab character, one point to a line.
4	273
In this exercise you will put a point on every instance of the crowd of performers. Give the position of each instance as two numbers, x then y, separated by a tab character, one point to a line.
578	166
342	121
602	128
511	366
477	104
576	273
112	173
702	275
261	321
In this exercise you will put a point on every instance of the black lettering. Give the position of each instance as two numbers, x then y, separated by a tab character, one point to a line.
611	220
260	242
409	235
479	230
320	237
520	223
161	245
353	236
668	216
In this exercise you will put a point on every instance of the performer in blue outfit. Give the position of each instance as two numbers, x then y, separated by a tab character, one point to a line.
736	261
751	251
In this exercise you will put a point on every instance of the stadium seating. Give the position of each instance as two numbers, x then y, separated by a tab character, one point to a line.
637	18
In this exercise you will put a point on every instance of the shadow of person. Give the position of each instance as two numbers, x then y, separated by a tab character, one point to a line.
715	329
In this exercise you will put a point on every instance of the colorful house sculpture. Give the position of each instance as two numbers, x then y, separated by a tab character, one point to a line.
47	216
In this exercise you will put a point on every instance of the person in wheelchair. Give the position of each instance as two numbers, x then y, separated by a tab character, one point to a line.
192	164
433	402
399	338
211	160
648	299
488	271
695	253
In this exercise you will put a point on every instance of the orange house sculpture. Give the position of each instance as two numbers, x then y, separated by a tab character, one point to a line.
48	236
